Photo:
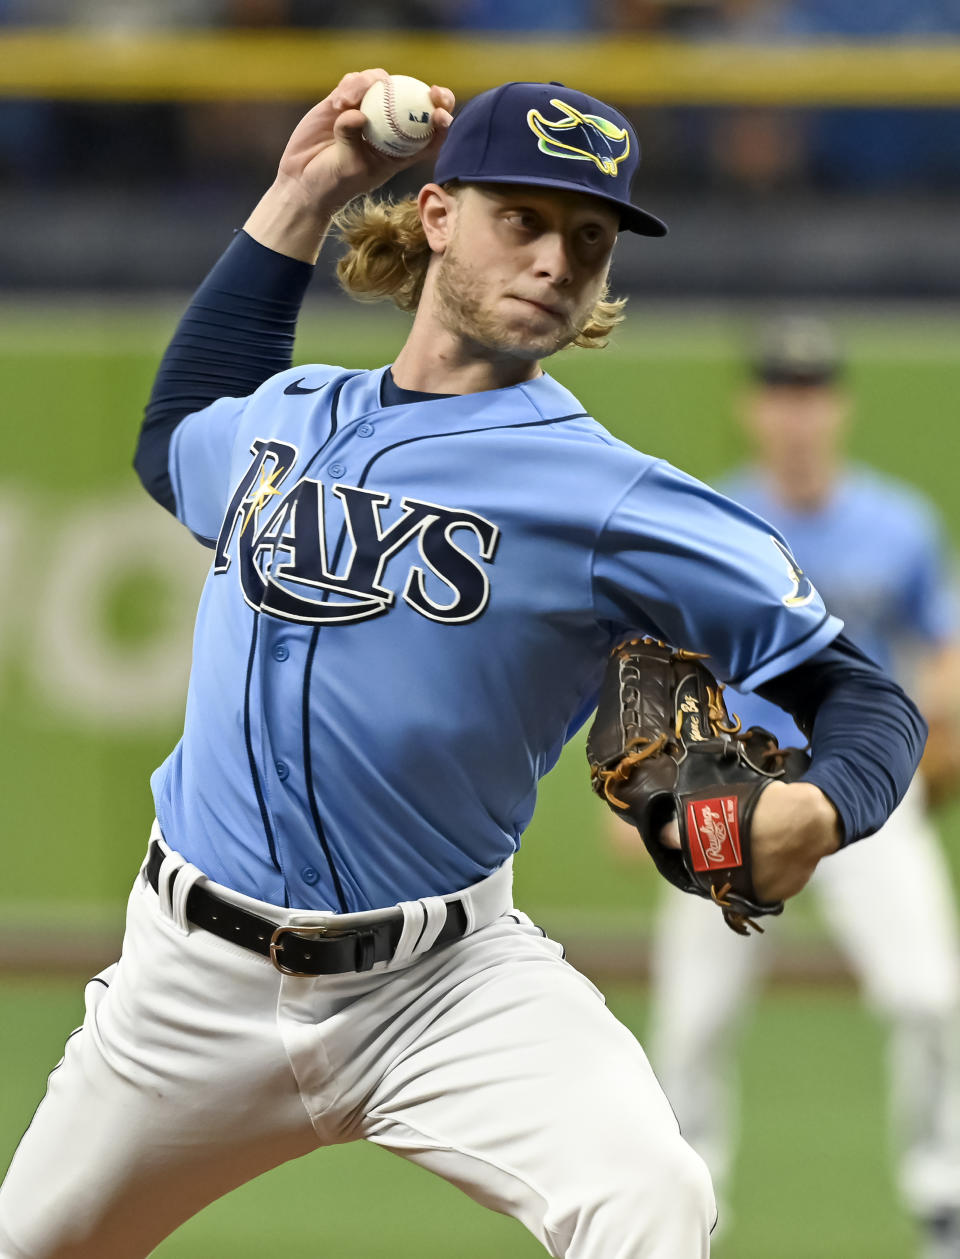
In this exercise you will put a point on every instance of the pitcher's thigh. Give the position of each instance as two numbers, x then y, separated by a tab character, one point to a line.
526	1092
151	1115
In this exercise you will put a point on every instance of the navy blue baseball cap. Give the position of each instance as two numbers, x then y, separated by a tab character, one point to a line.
798	350
550	136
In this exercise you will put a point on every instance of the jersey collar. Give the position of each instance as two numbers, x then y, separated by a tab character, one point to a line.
539	400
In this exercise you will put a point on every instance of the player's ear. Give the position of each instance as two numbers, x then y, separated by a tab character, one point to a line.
438	208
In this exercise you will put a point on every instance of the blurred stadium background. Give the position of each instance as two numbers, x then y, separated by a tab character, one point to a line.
807	156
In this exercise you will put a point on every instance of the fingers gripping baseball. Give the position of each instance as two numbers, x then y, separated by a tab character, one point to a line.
327	163
327	160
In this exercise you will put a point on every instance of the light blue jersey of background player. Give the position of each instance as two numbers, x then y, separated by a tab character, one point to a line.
875	552
408	613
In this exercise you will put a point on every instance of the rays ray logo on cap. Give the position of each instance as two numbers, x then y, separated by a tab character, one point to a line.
548	135
580	137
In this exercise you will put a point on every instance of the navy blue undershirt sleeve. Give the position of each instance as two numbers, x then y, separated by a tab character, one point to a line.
237	332
866	735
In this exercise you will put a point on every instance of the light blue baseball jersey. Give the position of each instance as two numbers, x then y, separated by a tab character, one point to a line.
408	613
875	551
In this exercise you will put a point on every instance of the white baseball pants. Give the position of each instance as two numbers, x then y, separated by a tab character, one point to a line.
491	1062
888	900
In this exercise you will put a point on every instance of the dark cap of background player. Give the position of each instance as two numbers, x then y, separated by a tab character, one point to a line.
797	351
550	136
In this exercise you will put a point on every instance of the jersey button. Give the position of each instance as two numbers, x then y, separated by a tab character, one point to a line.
364	430
283	770
281	651
337	469
309	875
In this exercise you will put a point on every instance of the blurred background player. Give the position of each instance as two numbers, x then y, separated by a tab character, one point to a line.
872	546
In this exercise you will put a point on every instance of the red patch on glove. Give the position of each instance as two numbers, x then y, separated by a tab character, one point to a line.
714	833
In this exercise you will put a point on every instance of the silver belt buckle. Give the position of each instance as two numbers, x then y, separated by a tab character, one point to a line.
303	933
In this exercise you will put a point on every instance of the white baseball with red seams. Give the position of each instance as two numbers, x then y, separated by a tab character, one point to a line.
398	111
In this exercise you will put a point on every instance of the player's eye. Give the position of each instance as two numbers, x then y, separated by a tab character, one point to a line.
522	220
592	234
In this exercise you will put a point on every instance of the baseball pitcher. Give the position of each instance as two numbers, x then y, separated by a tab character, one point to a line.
417	575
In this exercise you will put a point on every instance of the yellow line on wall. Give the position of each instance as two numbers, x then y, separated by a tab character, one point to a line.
302	66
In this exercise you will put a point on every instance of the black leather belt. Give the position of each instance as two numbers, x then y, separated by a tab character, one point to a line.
330	949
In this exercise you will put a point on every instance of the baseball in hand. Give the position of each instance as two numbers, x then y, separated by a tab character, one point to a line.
398	111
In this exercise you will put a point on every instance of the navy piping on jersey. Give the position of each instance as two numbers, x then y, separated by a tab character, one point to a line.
251	758
735	682
305	701
209	543
308	774
559	419
334	409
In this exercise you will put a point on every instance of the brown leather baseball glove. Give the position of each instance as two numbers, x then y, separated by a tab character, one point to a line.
663	746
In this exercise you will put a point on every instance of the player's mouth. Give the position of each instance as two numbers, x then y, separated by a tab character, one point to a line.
542	306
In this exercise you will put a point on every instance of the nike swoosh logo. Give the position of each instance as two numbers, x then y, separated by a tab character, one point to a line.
295	387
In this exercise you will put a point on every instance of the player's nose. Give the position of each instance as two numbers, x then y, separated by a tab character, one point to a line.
554	259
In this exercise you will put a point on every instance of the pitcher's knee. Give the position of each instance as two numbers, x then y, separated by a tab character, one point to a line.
681	1186
657	1208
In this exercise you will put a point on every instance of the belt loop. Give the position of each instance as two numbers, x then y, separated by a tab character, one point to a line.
423	920
183	883
414	921
165	881
435	915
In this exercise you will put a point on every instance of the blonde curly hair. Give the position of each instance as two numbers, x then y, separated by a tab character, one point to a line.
387	257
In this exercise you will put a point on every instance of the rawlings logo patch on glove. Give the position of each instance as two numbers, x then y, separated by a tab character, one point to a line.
663	748
714	833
